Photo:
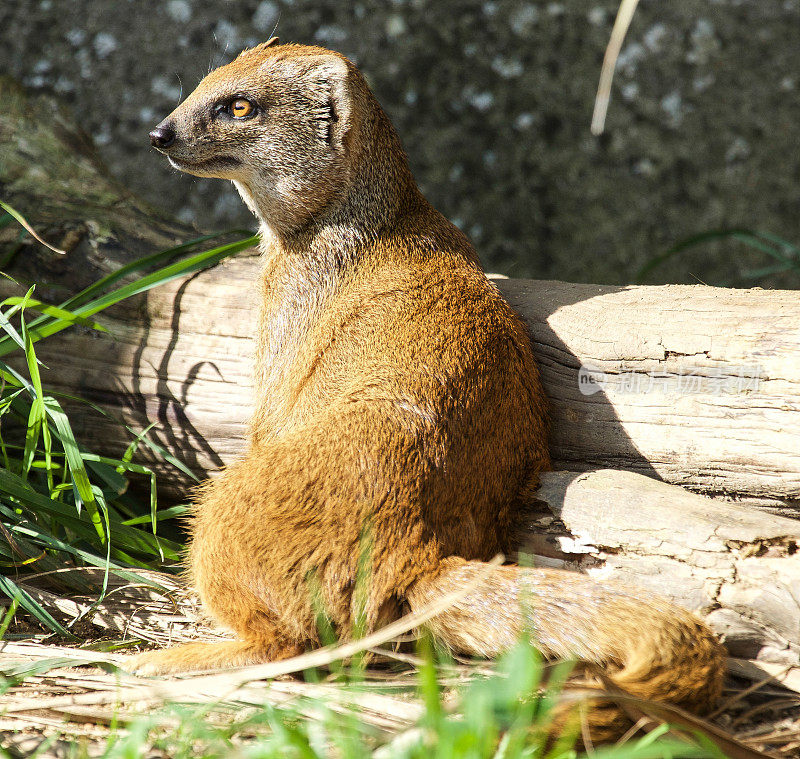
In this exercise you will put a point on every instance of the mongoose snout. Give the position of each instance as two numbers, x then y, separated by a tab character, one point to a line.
396	396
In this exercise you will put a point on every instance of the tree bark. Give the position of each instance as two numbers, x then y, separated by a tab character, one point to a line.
51	173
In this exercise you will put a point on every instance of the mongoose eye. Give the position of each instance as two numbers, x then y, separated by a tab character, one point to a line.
241	108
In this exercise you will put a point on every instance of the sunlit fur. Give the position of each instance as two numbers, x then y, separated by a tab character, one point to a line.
398	409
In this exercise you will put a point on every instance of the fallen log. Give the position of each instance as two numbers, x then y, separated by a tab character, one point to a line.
690	384
695	385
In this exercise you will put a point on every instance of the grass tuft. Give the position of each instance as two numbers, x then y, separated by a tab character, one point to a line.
62	504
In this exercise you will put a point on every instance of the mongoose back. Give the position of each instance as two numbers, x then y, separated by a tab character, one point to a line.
398	407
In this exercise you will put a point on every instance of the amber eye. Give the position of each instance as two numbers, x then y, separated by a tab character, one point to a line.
241	108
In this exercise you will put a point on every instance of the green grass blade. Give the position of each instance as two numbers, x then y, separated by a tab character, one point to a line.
125	464
428	682
19	671
55	312
105	469
752	238
8	328
11	376
28	228
172	512
167	456
143	263
36	415
167	274
788	247
767	271
138	265
32	434
8	617
80	478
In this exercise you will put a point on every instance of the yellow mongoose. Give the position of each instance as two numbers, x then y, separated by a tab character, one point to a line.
397	392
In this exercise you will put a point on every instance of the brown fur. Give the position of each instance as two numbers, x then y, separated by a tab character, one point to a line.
399	407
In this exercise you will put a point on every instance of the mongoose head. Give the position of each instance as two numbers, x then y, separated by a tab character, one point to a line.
277	121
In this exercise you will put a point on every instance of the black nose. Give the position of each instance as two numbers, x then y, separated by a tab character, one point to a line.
162	137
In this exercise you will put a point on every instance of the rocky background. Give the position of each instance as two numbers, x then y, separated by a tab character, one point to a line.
493	100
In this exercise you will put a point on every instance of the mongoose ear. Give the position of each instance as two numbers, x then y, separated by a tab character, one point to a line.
330	83
261	46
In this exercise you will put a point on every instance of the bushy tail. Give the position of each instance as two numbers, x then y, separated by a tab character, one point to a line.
649	647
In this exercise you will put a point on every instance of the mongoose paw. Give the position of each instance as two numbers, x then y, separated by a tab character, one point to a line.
153	663
200	656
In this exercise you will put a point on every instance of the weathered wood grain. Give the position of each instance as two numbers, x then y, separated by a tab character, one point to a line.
701	384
